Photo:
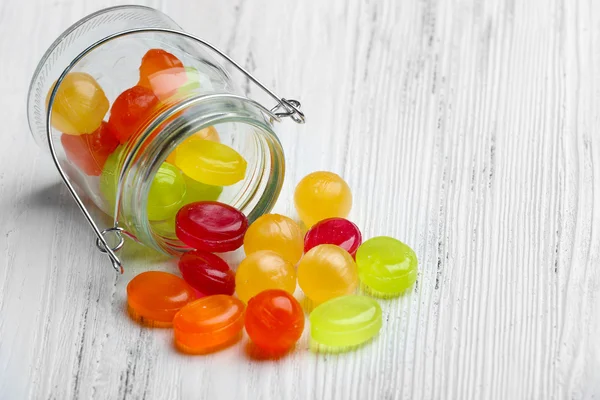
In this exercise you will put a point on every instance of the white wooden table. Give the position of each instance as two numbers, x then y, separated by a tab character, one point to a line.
468	129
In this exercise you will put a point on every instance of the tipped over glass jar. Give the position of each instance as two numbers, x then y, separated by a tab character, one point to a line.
142	118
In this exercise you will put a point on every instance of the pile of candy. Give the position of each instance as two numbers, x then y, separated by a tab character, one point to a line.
196	170
327	263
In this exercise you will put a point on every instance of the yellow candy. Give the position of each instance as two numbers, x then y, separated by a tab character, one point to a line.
79	105
276	233
209	133
261	271
322	195
210	162
327	271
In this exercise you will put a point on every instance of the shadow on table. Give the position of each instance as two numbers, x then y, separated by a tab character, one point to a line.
55	198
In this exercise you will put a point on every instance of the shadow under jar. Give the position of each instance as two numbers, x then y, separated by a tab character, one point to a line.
100	58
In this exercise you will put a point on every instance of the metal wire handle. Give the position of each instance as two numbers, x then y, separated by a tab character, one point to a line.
283	108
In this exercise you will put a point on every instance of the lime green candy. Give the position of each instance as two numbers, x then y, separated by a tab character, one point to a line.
344	322
386	266
198	191
166	193
109	178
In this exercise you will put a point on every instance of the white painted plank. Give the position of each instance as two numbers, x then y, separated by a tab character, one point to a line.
467	129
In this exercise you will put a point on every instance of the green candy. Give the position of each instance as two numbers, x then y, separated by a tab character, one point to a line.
109	178
344	322
166	193
198	191
386	266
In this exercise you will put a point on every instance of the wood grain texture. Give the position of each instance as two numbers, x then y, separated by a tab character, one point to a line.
466	128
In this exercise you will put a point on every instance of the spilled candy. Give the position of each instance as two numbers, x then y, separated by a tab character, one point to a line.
386	266
209	324
322	195
261	271
274	321
155	297
207	273
276	233
327	271
211	226
338	231
344	322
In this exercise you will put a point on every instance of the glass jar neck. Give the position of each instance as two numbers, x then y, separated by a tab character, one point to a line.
145	153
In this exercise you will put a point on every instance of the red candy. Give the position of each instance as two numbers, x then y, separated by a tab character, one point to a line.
130	111
161	72
274	321
207	273
337	231
211	226
90	151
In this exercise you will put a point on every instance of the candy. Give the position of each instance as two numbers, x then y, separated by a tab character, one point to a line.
274	321
79	105
156	297
386	266
109	178
207	273
344	322
211	226
210	162
276	233
198	191
166	193
90	151
327	271
322	195
162	72
261	271
130	111
338	231
209	324
209	133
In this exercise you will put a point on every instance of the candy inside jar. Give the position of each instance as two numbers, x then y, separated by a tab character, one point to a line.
146	122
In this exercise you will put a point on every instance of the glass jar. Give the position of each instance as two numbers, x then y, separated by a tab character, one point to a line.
102	53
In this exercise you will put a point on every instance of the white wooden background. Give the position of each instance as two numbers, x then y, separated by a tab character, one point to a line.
467	128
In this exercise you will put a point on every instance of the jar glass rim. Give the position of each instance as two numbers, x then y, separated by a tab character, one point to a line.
147	151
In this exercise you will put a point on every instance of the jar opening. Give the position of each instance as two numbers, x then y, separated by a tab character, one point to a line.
237	124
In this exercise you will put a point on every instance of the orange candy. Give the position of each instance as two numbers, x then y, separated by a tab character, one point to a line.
155	297
162	72
209	324
130	111
274	321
